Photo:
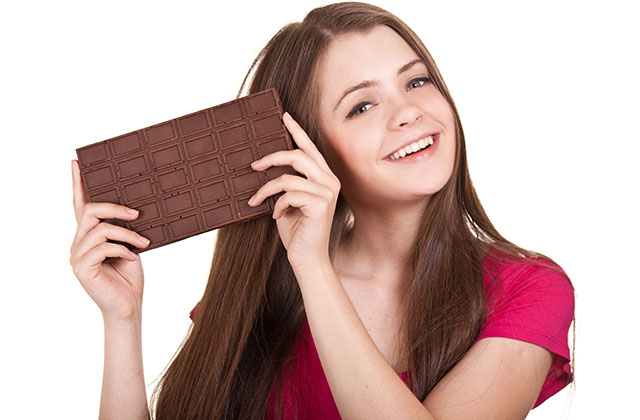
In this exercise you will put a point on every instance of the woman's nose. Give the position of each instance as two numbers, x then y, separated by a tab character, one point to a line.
418	118
405	113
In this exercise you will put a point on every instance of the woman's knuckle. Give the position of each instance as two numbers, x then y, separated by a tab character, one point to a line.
327	192
80	214
286	178
103	247
72	254
87	214
75	267
98	233
101	228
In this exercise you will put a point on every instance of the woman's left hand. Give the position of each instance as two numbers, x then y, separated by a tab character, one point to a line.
304	213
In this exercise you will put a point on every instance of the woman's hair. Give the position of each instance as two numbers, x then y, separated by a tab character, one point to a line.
251	314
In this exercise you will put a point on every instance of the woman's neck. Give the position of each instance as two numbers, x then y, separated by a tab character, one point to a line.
378	248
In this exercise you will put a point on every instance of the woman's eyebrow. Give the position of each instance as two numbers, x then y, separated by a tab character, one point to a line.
369	83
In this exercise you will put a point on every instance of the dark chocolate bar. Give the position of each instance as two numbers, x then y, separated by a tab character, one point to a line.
191	174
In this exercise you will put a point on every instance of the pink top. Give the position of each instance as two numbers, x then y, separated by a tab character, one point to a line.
530	303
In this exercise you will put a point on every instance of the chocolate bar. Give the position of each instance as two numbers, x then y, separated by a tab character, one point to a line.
191	174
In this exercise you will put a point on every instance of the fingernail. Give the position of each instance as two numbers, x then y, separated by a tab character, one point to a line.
132	211
143	239
251	200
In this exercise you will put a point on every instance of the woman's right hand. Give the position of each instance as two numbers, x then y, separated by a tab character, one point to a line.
115	285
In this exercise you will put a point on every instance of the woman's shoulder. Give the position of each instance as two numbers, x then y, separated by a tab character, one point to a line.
511	274
536	297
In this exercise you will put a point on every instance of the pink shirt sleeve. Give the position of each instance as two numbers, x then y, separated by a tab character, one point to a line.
193	311
535	304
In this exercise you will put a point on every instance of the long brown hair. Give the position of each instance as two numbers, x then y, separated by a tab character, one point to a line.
251	313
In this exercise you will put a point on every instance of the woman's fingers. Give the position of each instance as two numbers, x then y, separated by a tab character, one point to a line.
288	182
303	141
105	231
302	163
94	212
88	266
297	159
310	205
306	160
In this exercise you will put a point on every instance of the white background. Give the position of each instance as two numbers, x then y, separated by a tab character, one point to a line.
548	97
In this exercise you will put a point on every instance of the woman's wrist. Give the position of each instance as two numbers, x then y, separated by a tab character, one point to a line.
320	269
311	263
133	320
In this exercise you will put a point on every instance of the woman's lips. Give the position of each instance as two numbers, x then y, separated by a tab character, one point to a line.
420	155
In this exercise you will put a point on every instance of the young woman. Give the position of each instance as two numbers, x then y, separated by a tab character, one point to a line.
380	291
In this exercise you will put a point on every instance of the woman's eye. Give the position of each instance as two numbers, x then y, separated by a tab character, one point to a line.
424	81
363	107
356	111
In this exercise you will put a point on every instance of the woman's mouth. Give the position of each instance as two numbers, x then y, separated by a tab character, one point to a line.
416	151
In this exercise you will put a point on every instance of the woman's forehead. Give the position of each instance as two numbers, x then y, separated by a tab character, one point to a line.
374	45
363	56
354	56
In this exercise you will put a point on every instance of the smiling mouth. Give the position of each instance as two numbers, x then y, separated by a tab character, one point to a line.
414	148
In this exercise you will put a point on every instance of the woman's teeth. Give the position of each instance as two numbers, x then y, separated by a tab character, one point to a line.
412	148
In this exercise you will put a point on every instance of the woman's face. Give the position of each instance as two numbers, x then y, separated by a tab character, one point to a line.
389	104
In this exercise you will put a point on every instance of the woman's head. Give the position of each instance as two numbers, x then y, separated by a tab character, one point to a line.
376	98
311	64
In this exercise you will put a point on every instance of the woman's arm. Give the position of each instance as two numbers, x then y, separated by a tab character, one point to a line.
116	285
124	395
363	384
498	378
